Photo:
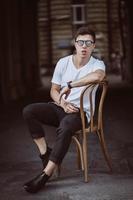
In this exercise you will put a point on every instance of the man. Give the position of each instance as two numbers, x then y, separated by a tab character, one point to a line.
71	75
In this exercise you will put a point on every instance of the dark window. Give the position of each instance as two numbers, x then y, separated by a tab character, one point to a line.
78	13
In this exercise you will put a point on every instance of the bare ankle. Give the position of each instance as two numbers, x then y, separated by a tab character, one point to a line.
49	169
41	144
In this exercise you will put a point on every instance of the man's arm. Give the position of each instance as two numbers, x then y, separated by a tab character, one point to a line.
98	75
55	95
55	92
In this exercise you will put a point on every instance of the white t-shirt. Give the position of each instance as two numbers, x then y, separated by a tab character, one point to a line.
66	71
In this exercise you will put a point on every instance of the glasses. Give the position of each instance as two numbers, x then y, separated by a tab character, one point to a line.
88	43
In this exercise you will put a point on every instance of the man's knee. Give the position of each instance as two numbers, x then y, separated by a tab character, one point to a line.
27	111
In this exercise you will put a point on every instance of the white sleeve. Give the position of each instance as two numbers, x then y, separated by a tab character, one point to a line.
99	64
57	75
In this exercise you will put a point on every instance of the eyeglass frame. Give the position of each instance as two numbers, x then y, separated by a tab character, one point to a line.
85	42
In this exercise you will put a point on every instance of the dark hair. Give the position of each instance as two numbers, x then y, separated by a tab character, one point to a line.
83	31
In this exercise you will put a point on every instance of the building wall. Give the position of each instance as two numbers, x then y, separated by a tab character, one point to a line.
56	28
59	20
43	23
62	28
97	19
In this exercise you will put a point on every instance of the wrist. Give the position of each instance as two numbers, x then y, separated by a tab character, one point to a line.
69	84
62	103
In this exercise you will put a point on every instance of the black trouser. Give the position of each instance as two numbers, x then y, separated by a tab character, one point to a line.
51	114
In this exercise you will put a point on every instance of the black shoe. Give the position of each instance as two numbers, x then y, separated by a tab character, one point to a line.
45	157
37	183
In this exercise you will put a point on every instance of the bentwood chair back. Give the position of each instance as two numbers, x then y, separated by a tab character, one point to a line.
95	126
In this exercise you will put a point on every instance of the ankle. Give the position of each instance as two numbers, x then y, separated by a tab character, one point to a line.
48	172
41	144
43	150
44	153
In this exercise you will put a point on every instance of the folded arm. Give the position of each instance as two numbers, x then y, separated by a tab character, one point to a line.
98	75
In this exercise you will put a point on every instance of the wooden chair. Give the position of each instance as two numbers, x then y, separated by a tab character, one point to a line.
95	125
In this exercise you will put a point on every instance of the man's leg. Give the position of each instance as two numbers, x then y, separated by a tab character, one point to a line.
35	115
68	126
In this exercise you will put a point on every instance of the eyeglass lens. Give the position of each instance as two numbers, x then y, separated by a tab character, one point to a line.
88	43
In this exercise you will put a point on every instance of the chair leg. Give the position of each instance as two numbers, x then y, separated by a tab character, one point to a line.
85	154
80	159
104	149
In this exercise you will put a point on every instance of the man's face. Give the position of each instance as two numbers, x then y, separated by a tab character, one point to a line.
84	45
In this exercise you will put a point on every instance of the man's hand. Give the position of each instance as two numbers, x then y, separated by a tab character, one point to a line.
65	91
68	107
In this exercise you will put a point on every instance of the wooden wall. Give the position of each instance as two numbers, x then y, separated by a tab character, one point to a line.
54	27
62	27
43	23
97	19
115	26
